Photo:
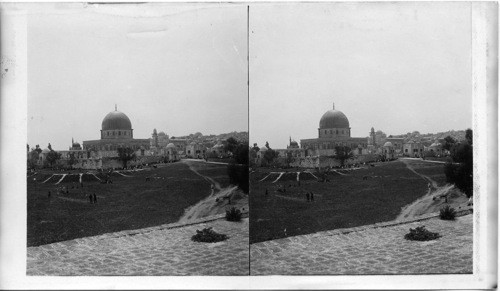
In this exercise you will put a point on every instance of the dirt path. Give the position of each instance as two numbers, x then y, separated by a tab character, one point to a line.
433	200
216	202
434	184
210	180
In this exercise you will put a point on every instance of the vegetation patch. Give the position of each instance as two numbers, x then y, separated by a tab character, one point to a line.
305	176
447	213
127	203
420	233
208	235
346	201
233	214
288	176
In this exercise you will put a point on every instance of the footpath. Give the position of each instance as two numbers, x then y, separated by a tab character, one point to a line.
165	250
370	250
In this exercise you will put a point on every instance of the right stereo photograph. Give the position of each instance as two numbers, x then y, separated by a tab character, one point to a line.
361	139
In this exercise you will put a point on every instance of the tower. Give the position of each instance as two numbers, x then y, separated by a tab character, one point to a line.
154	140
372	136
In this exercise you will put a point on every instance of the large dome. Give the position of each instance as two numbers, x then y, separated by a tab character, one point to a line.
116	120
333	119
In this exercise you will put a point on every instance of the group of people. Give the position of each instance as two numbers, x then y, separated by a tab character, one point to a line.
65	190
309	194
92	198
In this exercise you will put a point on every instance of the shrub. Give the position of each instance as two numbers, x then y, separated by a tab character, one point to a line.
233	214
447	213
208	235
421	234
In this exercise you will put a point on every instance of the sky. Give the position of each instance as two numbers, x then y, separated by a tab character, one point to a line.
397	67
175	67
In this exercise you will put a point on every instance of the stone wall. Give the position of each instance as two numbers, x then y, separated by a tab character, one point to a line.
323	162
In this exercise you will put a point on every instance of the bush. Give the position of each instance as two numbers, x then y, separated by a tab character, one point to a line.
208	235
233	214
447	213
421	234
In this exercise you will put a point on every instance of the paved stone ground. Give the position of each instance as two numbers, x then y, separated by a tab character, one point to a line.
369	251
156	251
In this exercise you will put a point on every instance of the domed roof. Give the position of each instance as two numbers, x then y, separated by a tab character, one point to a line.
170	145
333	119
263	149
45	151
293	143
116	120
436	144
388	144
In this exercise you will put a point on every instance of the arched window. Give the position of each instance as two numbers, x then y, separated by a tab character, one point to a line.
119	133
337	131
107	133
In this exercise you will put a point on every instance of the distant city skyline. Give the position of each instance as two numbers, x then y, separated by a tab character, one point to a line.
396	66
179	68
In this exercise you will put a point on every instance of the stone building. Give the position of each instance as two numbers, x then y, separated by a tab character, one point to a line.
388	150
116	132
436	148
413	149
195	150
334	130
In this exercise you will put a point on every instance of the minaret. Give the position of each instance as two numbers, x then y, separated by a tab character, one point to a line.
115	107
372	134
333	105
155	138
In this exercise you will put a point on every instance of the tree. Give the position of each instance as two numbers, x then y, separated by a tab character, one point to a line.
449	142
238	175
231	145
52	157
241	154
269	156
459	170
289	159
72	160
125	154
32	159
468	135
342	154
237	170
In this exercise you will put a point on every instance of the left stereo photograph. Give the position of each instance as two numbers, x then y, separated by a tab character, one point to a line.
137	138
